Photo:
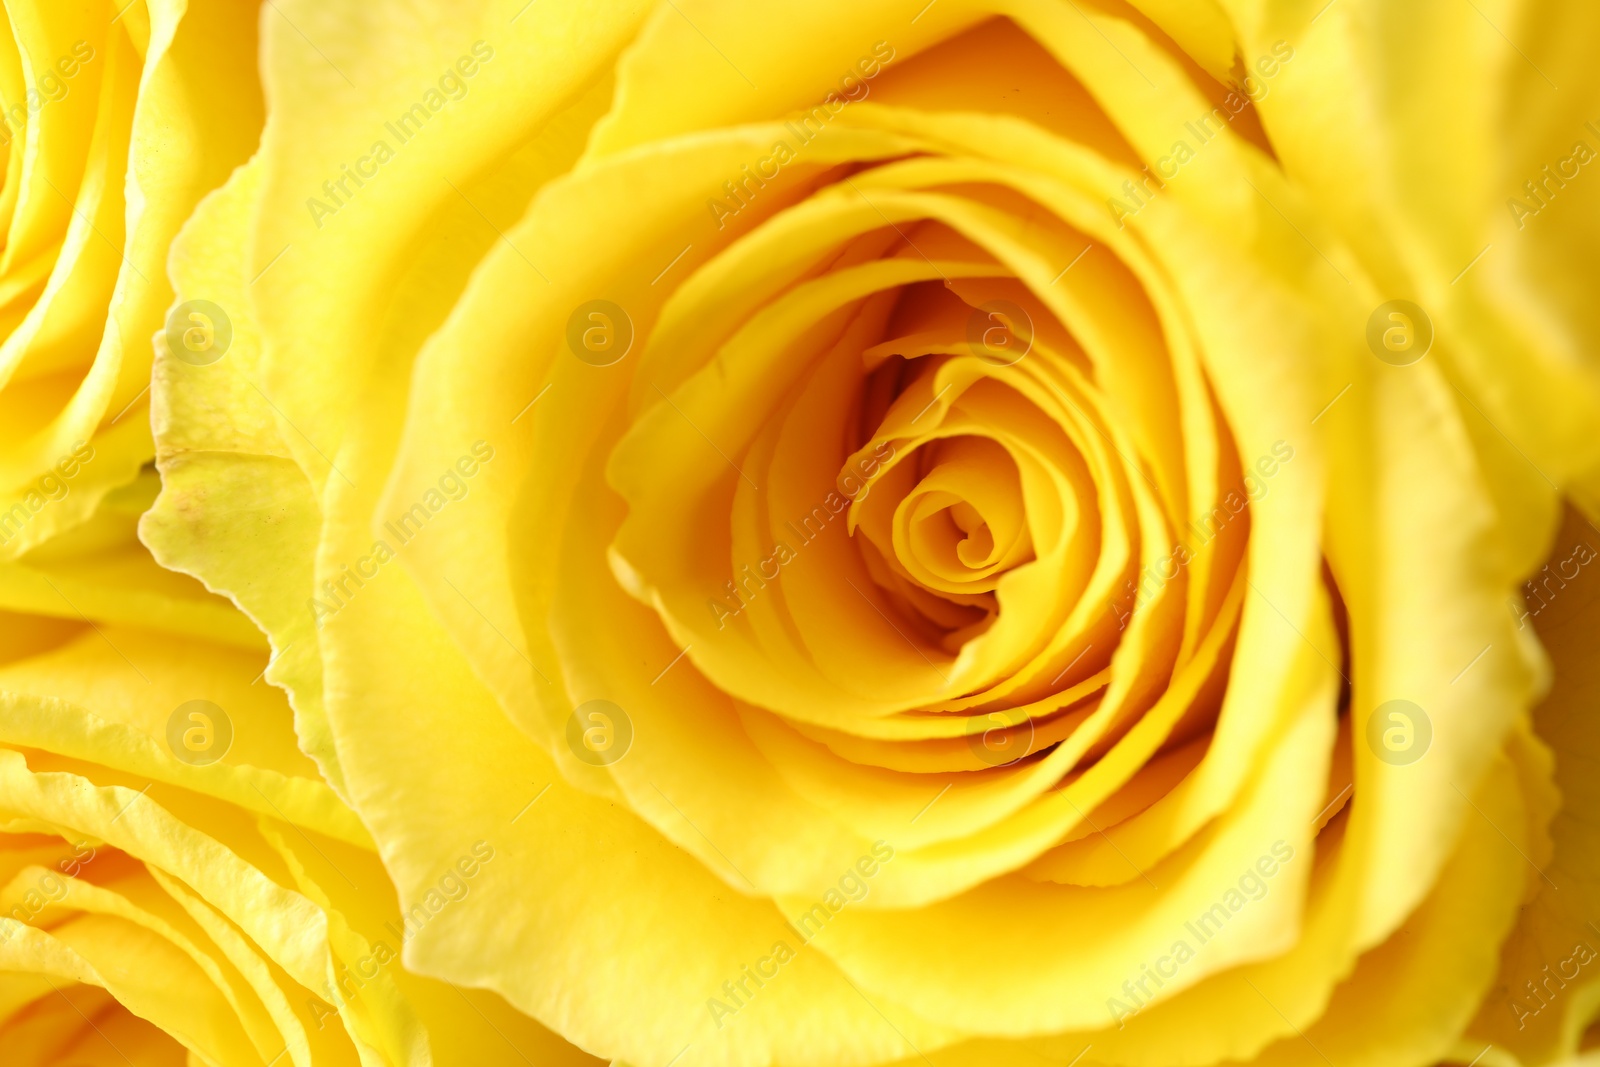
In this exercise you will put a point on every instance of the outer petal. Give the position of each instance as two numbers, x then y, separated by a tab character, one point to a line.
1380	96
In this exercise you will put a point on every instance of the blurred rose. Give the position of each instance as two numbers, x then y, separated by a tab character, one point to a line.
934	532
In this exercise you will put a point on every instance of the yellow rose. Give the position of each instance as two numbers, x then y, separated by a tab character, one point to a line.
173	872
114	119
929	534
1478	205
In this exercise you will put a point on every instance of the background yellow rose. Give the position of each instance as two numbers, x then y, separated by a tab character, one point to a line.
114	120
177	884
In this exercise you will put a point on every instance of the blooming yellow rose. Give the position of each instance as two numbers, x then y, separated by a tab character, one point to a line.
935	532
